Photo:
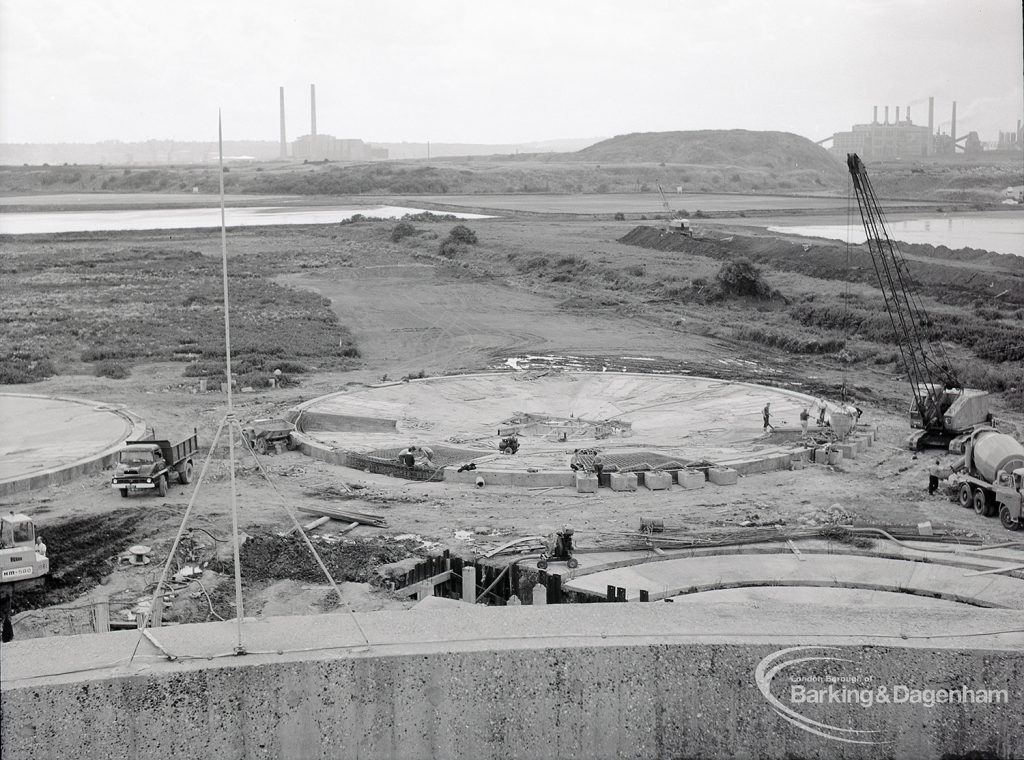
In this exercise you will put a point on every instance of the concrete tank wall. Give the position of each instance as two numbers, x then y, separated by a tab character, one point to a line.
587	681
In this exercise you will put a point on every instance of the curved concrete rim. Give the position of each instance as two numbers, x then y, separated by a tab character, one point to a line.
680	576
781	458
135	427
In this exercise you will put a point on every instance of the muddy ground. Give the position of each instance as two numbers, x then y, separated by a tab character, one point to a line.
410	311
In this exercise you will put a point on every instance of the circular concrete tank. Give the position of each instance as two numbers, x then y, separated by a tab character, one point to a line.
660	418
50	440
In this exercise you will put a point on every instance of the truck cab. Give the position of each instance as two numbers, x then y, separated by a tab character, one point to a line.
1009	493
18	556
139	465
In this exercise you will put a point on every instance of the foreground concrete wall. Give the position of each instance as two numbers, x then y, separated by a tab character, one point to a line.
591	681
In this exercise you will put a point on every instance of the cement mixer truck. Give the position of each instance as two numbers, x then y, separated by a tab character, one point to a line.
990	477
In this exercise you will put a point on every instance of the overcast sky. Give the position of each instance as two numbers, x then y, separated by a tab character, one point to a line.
500	71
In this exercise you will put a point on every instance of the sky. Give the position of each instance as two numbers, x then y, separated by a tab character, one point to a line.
500	71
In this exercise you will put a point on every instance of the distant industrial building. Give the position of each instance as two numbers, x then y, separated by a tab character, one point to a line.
1012	140
880	141
316	147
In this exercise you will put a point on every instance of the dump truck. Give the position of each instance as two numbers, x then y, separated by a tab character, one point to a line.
989	477
268	436
148	465
23	563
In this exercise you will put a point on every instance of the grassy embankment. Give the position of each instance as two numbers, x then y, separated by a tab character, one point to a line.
960	183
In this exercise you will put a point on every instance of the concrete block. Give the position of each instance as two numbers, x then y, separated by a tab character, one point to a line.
543	478
690	479
586	482
797	464
622	481
723	476
835	456
658	481
763	463
861	443
849	450
821	455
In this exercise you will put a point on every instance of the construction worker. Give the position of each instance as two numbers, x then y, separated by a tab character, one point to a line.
767	414
598	463
427	455
407	456
805	419
934	473
40	546
821	412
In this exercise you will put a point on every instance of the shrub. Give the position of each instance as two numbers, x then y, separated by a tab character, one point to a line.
403	230
620	217
741	277
462	234
21	366
450	248
112	369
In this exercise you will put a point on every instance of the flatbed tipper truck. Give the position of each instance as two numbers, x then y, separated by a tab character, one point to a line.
990	477
149	465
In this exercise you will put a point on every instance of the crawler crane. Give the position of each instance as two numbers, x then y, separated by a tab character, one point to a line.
943	412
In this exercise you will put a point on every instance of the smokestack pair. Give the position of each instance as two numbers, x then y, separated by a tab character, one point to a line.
312	118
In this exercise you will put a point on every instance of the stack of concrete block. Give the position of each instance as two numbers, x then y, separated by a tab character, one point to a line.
821	455
658	481
835	456
622	481
723	476
586	482
849	450
690	479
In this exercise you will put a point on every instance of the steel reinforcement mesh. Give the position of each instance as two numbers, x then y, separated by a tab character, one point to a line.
635	461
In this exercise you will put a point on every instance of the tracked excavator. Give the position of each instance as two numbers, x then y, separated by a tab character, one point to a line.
943	413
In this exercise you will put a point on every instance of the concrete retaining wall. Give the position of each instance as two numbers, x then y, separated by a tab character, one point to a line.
343	423
594	681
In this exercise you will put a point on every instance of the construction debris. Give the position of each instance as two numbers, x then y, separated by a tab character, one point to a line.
347	516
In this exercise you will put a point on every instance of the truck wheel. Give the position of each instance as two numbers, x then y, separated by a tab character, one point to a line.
979	502
1006	520
964	496
161	486
185	473
8	632
261	446
124	492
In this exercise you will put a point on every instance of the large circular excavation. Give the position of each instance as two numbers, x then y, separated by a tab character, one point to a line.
630	417
51	440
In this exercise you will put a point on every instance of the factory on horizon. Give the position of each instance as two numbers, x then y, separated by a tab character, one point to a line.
320	147
903	139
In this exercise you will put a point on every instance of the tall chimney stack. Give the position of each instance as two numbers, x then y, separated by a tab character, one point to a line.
887	115
897	114
908	114
952	128
312	109
931	116
284	141
874	119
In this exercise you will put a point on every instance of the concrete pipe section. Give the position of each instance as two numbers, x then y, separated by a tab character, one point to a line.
50	440
658	419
